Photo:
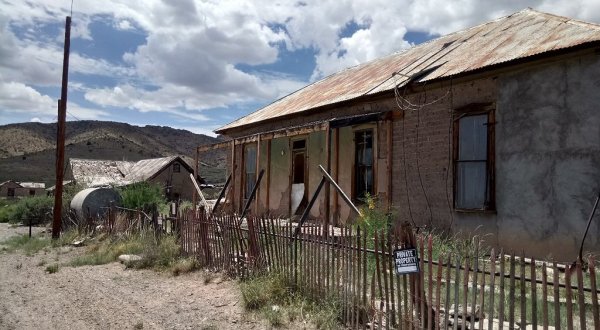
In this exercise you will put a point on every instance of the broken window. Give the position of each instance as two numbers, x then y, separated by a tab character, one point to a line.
473	166
176	168
363	163
11	192
249	169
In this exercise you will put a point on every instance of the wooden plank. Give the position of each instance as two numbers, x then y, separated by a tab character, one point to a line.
438	292
580	295
474	285
456	287
502	259
556	296
569	299
384	268
327	200
214	146
544	297
391	273
421	285
482	296
465	291
378	276
595	310
430	282
258	170
522	296
492	290
447	302
533	282
364	278
511	294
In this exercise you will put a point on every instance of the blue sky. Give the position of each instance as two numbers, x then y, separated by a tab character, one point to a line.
198	65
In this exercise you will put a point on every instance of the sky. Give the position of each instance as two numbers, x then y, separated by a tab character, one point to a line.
198	65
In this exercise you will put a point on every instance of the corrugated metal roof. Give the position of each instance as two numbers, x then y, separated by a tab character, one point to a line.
520	35
147	168
96	173
33	185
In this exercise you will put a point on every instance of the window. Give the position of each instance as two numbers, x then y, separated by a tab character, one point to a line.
249	169
31	192
363	163
473	160
11	192
176	168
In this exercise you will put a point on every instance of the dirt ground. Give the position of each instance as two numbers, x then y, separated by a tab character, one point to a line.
110	296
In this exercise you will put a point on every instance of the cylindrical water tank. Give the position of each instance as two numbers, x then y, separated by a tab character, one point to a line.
94	202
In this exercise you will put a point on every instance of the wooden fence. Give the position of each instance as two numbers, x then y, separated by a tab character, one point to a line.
468	288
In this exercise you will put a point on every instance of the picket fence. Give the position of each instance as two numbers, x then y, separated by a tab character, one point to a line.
468	289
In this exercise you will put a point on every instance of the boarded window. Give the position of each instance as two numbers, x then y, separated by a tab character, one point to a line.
176	168
11	192
249	169
473	162
363	162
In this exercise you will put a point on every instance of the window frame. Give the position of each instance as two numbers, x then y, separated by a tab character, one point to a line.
359	129
176	168
474	109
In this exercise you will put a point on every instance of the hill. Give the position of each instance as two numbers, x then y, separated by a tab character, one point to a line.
27	150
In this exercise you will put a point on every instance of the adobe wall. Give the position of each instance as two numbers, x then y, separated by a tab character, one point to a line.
547	150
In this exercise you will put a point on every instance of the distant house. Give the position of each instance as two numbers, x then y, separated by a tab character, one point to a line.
12	189
494	129
172	173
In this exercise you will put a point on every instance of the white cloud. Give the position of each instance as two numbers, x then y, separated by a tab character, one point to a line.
20	99
193	49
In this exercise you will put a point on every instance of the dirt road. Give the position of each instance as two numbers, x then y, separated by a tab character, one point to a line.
111	297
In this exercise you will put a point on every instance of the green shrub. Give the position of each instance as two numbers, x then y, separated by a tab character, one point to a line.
36	209
142	195
26	244
7	212
51	269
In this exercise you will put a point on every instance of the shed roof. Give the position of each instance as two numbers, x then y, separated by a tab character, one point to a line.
510	38
33	185
97	172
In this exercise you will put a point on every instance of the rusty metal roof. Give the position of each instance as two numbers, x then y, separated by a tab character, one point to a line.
95	173
517	36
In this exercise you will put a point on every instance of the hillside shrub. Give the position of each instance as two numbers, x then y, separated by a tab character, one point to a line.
36	209
142	195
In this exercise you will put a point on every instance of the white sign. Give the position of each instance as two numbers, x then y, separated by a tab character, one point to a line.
406	261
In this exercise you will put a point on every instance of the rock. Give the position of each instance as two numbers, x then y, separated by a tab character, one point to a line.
495	324
275	308
78	243
129	258
458	312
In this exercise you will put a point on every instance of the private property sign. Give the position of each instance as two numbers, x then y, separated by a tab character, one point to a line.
406	260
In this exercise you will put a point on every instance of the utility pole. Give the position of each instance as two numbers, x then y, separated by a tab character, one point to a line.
60	135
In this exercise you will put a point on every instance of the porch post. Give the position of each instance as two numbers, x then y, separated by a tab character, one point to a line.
389	163
327	188
232	190
195	194
336	164
268	195
257	201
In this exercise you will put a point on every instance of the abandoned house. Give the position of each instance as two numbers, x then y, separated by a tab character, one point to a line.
172	173
493	130
13	189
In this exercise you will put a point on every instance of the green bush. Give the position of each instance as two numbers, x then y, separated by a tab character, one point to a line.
36	209
7	212
142	195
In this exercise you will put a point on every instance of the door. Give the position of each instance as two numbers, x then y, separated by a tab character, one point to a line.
299	193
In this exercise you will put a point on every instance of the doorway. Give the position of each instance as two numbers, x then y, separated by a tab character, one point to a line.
299	193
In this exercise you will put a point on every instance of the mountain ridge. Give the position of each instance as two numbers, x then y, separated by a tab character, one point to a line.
27	150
